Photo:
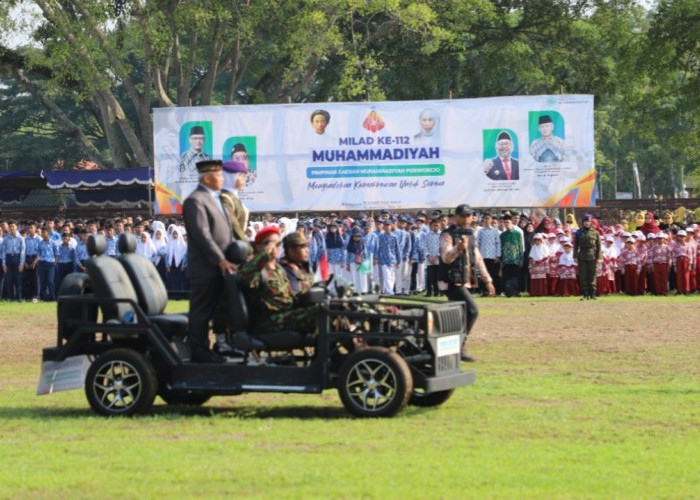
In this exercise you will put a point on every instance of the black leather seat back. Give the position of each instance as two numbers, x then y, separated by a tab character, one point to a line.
236	306
244	333
150	289
109	280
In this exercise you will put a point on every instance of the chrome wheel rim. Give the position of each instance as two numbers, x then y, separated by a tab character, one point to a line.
117	386
371	385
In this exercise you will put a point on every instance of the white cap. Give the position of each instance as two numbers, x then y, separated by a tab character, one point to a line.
681	233
629	240
610	238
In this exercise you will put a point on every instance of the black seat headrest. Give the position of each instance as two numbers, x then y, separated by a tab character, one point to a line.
238	252
96	245
126	243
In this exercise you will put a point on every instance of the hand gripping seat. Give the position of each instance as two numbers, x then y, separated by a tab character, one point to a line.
150	289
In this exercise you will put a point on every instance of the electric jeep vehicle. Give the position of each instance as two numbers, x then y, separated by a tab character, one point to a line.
379	353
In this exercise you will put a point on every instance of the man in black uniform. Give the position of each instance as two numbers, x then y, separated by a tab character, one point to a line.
459	256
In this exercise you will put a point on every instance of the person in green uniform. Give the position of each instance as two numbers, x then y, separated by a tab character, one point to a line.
273	304
587	253
296	262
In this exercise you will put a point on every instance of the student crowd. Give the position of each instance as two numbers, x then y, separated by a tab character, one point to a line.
37	255
392	254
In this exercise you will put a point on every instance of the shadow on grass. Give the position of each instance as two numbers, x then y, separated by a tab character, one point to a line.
177	411
254	412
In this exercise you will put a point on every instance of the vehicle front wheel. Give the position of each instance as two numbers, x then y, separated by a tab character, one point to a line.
420	398
374	382
121	382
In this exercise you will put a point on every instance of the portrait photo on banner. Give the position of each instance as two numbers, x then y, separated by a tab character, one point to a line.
500	157
547	133
195	145
243	149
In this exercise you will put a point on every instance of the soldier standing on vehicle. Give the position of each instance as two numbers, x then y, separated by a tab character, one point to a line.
459	255
587	253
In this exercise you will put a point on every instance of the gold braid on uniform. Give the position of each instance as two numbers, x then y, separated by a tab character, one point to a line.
236	214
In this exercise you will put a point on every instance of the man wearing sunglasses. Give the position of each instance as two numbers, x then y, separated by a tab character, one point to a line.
274	305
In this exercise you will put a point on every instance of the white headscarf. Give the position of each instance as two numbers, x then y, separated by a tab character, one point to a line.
177	247
610	252
161	242
230	181
541	251
554	246
145	248
566	258
157	225
290	225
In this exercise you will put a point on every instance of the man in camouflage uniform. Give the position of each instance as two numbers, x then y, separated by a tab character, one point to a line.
587	253
274	305
296	262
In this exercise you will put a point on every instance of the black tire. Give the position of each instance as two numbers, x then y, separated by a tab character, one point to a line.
420	398
374	382
121	382
183	398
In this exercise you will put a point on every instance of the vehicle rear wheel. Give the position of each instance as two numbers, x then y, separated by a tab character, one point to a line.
121	382
183	398
420	398
374	382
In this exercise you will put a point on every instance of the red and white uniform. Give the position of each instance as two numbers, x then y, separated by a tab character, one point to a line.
630	264
661	259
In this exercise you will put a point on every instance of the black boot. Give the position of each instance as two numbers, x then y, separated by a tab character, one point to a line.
464	356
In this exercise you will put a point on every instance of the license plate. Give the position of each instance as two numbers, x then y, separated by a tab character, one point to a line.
63	375
448	345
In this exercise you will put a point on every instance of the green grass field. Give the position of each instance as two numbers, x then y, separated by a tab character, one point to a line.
572	400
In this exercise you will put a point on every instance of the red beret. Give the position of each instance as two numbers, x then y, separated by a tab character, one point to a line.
265	232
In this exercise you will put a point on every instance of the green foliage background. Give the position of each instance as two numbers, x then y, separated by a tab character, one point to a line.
86	84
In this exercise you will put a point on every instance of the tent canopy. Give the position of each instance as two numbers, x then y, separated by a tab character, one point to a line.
98	178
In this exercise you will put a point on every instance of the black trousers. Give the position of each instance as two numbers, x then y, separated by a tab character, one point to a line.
432	279
13	278
205	294
461	294
494	269
30	280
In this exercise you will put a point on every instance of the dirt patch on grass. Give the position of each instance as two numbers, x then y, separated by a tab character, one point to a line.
611	326
605	323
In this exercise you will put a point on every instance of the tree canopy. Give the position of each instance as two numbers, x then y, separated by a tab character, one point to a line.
86	84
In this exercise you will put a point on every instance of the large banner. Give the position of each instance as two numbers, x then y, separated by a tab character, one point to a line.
531	151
